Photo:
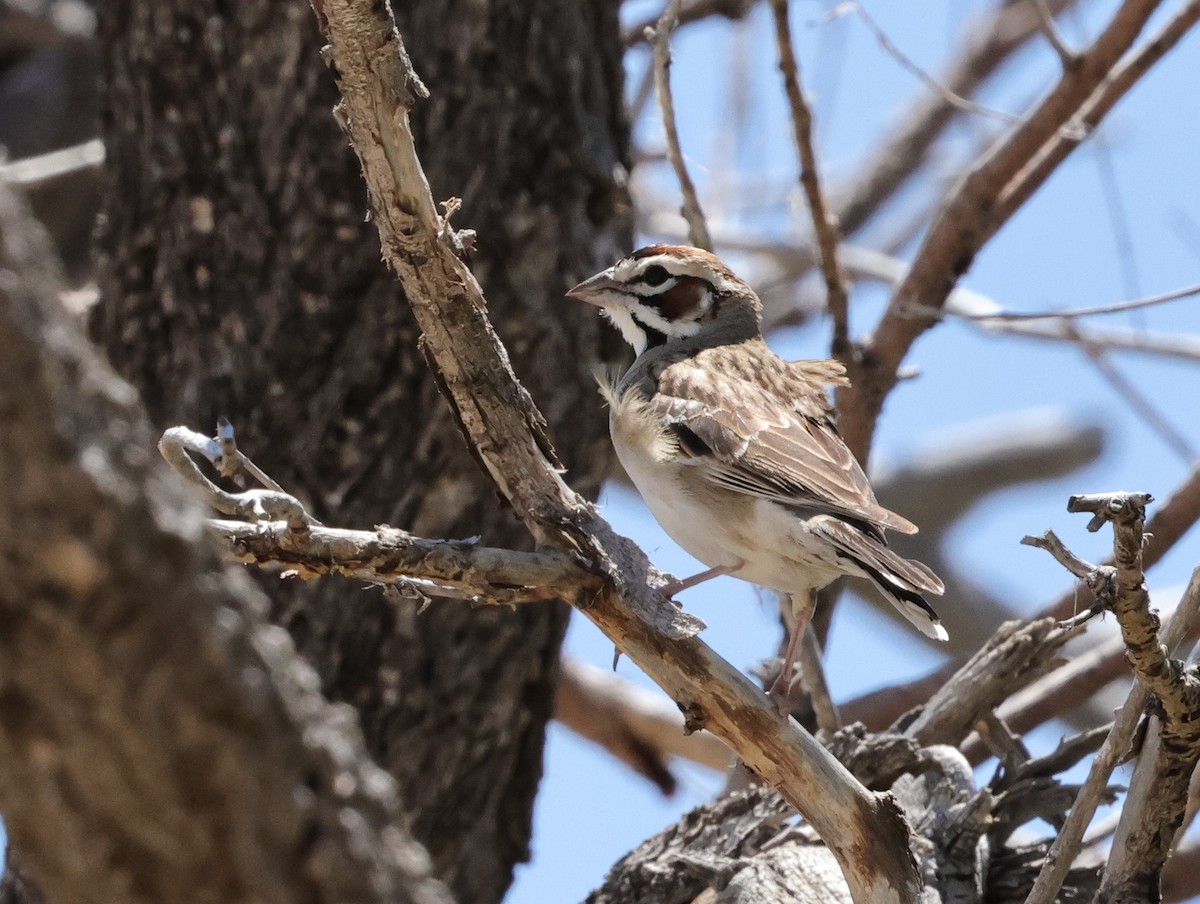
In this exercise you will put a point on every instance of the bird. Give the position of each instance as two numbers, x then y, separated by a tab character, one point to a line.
736	451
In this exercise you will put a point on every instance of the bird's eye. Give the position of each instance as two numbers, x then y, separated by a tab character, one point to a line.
655	275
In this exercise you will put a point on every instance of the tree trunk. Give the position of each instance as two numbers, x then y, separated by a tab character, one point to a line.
161	742
239	278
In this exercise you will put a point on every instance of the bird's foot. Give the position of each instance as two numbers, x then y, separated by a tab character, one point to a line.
780	691
674	587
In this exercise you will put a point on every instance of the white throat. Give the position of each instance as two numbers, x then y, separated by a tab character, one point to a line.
627	321
632	333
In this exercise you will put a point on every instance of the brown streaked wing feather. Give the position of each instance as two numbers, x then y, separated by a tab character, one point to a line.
871	553
778	443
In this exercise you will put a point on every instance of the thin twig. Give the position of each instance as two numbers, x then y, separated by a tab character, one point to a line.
972	214
33	171
864	264
899	154
825	226
813	678
1050	29
1050	542
696	11
1139	402
1118	213
1117	307
950	97
659	37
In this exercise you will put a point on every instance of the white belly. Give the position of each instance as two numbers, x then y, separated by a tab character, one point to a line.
717	526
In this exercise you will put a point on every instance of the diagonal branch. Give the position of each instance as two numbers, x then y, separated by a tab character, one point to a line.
970	215
864	831
1159	796
825	225
1115	86
660	38
899	156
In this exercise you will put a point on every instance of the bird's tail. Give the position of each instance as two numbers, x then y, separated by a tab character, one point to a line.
901	580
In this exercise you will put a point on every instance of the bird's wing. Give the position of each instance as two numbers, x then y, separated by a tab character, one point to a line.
769	433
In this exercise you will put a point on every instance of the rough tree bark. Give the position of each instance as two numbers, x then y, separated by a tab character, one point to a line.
161	741
239	278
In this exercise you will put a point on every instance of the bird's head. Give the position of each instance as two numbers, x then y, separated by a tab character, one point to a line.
665	293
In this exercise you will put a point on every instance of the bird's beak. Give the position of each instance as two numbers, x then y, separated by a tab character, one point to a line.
598	290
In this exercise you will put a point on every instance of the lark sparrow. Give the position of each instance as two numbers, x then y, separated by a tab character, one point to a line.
734	449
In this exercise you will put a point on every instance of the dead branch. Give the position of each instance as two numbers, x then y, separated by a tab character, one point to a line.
507	433
825	226
660	39
32	172
695	11
1157	803
963	104
1174	518
981	311
640	728
970	216
1017	653
387	555
1058	693
994	41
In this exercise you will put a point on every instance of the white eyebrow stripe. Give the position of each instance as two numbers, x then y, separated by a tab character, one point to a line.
629	269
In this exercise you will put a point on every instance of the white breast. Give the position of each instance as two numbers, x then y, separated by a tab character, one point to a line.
715	525
649	458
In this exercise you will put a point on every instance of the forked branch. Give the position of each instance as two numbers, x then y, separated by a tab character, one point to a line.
865	831
1158	798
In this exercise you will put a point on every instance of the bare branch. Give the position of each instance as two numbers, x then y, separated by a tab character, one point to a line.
1066	56
696	11
1147	828
254	505
945	93
1167	345
505	430
1017	653
30	172
1111	89
1049	541
1062	690
1139	403
385	555
864	263
1091	794
639	727
660	38
1070	313
970	216
991	43
825	226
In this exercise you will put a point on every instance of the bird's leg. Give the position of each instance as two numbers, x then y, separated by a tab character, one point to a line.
707	575
803	605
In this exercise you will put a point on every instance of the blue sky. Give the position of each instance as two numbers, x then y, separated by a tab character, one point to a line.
1063	250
